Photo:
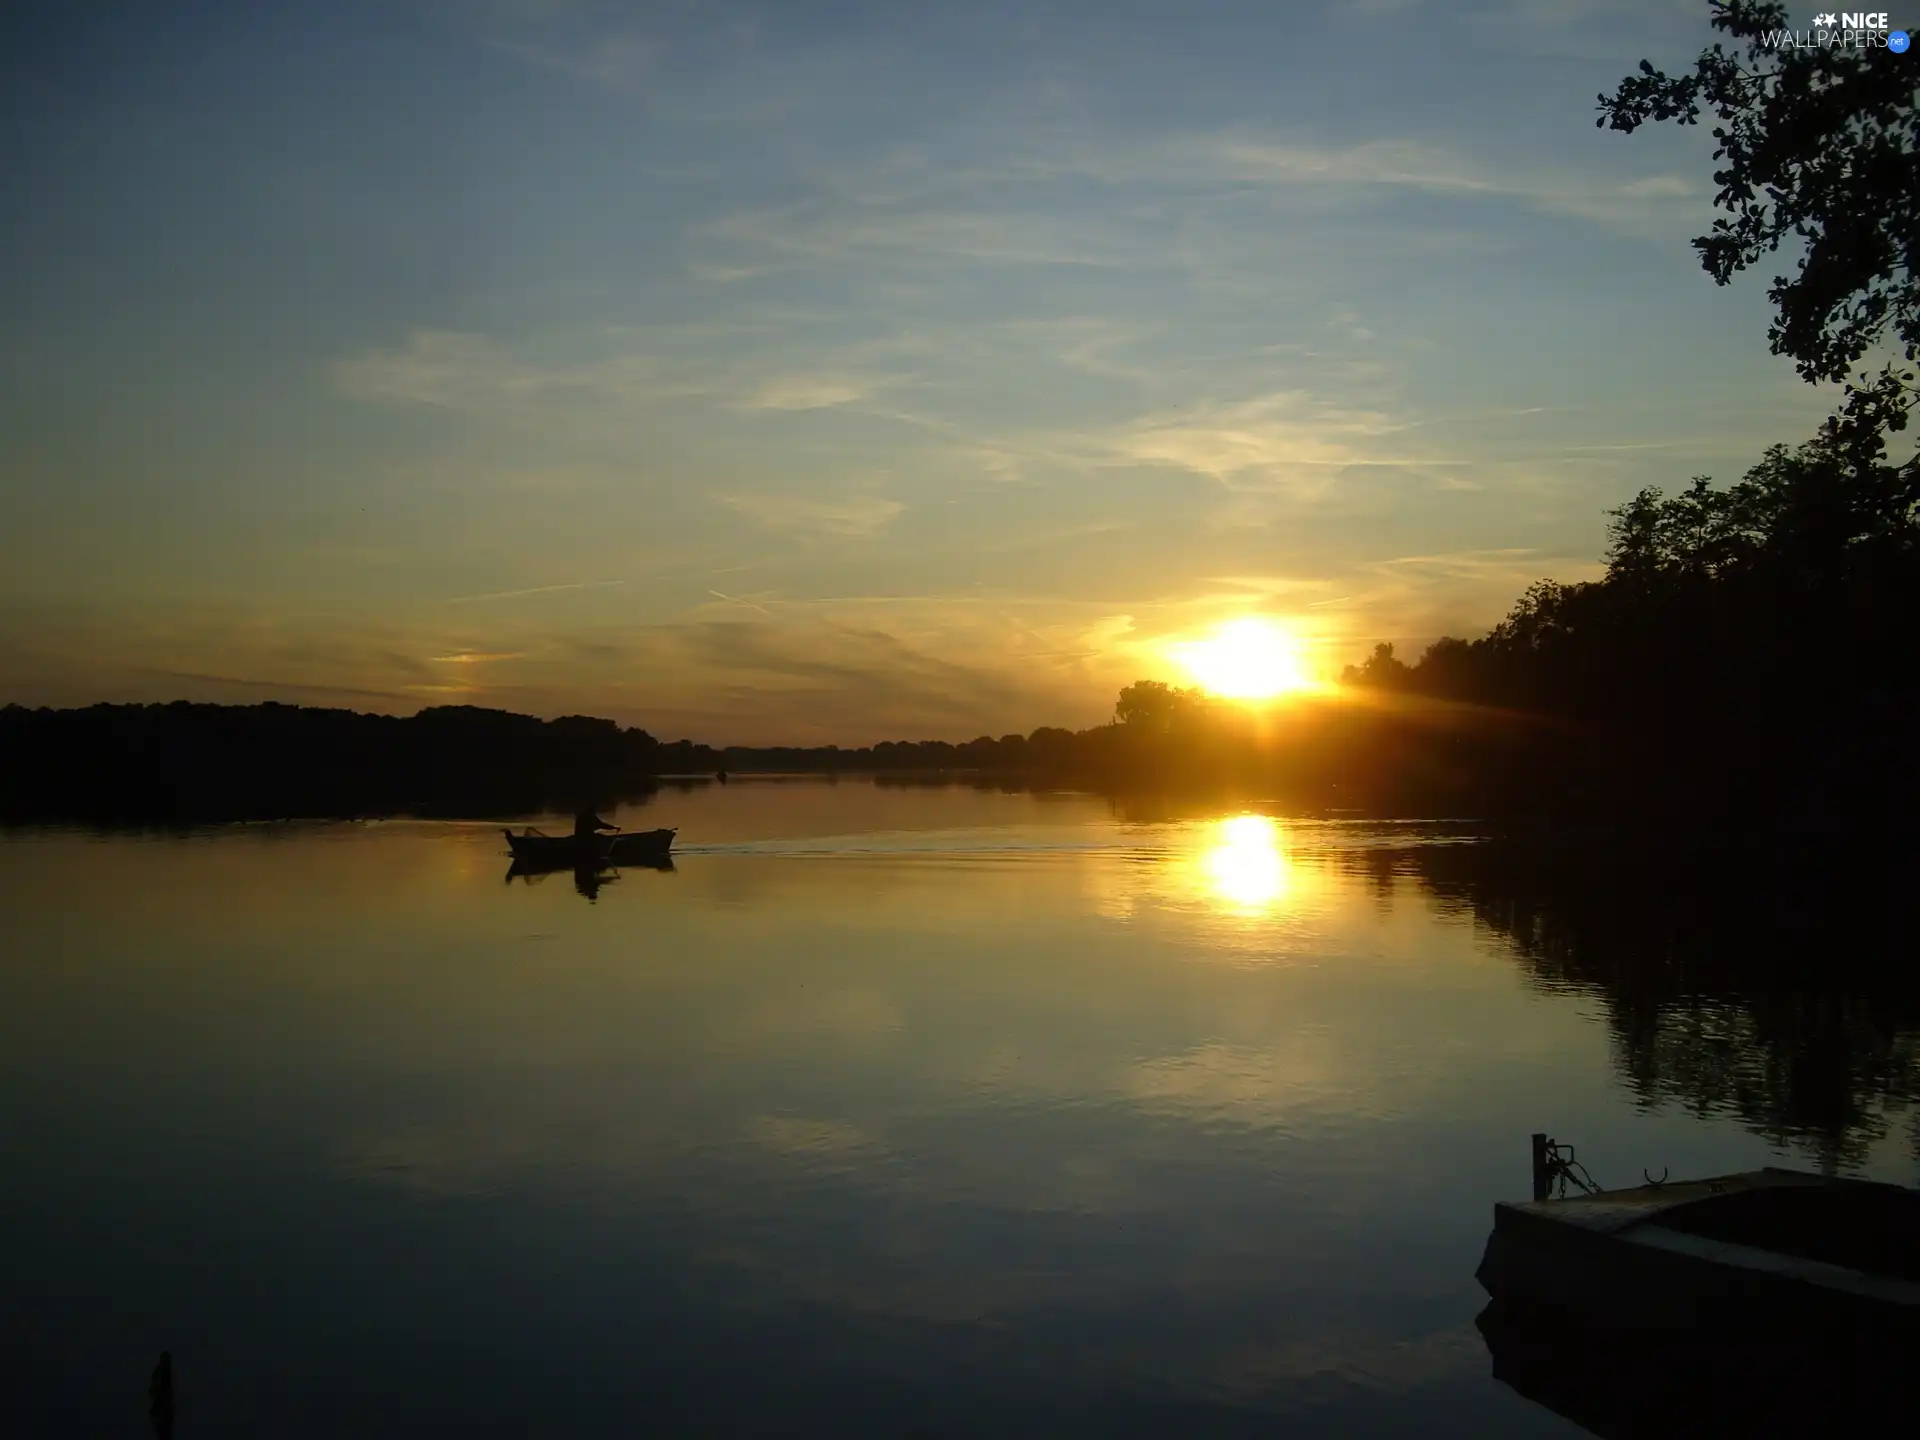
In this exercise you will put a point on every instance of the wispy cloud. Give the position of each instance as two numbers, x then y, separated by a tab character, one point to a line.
609	370
1464	562
619	62
724	274
742	600
961	204
1291	440
1417	598
1409	165
853	517
477	374
807	392
533	590
847	229
279	686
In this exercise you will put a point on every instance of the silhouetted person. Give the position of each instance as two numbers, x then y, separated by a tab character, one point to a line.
587	824
160	1397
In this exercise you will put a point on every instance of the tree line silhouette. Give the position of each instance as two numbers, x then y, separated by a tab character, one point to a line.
185	761
1744	651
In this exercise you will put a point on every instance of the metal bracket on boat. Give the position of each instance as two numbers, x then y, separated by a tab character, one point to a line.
1555	1166
1653	1183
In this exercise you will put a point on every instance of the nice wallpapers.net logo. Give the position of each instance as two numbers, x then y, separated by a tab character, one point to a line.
1843	30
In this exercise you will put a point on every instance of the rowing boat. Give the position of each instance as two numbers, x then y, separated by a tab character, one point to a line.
641	847
1754	1249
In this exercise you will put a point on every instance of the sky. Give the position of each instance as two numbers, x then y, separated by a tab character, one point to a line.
825	372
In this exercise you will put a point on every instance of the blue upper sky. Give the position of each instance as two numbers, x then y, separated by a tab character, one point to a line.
827	371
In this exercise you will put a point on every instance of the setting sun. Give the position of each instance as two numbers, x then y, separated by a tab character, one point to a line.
1247	659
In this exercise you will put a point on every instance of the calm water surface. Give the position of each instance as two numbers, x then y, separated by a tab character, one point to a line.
898	1110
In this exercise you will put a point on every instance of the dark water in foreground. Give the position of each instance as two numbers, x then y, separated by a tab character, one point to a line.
890	1111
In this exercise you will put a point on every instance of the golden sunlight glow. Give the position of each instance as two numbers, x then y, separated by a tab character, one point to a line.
1247	659
1245	866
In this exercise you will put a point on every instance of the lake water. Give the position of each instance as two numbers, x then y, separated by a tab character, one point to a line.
894	1110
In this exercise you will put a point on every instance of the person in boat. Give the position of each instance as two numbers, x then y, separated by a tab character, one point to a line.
587	825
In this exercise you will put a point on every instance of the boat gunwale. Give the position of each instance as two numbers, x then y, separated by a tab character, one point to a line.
1609	1211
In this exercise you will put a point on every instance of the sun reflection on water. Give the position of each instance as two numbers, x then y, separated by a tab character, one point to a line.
1244	865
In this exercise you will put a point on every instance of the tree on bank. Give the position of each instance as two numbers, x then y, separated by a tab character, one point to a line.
1819	150
1380	670
1153	707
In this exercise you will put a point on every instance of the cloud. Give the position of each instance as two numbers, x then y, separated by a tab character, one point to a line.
609	371
1436	169
1206	169
1290	440
744	600
806	392
1464	562
844	682
455	370
724	274
618	62
279	687
1659	186
441	368
860	517
1271	584
1415	599
848	228
532	590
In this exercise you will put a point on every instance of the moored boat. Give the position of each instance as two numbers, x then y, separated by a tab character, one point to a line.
1757	1250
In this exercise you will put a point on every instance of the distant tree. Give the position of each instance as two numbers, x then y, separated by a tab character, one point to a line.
1540	620
1049	745
1820	150
1153	706
1380	670
1824	511
980	752
1446	669
184	760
